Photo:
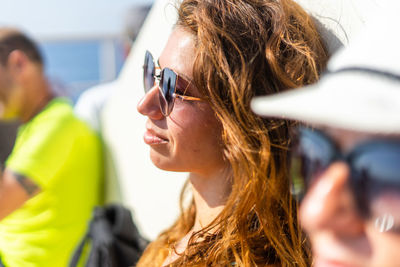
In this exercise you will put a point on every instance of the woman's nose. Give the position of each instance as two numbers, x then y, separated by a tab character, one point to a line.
329	204
149	104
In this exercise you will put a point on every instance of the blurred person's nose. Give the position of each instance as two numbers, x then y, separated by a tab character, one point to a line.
329	204
149	105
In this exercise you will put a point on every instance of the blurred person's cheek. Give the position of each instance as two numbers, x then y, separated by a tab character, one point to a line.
385	211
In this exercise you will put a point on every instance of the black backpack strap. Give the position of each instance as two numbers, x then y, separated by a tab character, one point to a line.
114	239
78	252
98	231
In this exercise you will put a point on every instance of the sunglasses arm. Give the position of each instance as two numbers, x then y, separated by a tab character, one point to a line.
185	97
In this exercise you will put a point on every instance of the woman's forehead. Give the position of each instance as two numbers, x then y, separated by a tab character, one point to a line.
179	53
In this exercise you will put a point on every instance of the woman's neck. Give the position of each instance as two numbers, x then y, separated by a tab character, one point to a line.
210	194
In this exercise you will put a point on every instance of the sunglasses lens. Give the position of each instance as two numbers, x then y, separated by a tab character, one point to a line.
148	72
311	155
167	87
376	182
163	104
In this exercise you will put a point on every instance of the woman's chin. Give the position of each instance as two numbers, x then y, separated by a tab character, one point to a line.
167	163
161	160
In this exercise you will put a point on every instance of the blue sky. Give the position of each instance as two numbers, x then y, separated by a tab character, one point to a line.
55	18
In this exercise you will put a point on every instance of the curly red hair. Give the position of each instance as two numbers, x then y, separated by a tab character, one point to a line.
244	49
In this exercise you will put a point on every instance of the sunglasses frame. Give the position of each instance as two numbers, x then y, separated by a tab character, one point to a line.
357	181
158	79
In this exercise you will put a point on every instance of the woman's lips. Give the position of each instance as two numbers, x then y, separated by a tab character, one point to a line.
151	138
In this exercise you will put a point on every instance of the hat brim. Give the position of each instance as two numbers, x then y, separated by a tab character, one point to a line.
342	101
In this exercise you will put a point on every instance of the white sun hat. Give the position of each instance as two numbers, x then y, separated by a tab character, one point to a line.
360	91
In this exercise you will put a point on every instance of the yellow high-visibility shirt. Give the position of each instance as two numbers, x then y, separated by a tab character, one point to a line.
63	156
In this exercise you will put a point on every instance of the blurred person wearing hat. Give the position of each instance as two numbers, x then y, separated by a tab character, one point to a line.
346	167
51	180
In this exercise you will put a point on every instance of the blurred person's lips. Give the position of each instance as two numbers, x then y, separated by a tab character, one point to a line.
330	250
334	255
152	138
321	262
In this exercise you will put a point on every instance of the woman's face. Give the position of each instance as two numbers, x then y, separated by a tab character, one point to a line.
339	235
189	139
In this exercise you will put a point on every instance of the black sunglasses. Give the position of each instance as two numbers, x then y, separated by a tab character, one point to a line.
374	166
168	82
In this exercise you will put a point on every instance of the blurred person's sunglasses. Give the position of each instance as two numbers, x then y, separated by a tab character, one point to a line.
374	173
170	84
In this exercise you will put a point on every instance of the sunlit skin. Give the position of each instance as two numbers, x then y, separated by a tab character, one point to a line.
339	235
189	139
23	88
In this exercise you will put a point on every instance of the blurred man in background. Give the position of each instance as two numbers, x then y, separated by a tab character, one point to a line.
52	179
